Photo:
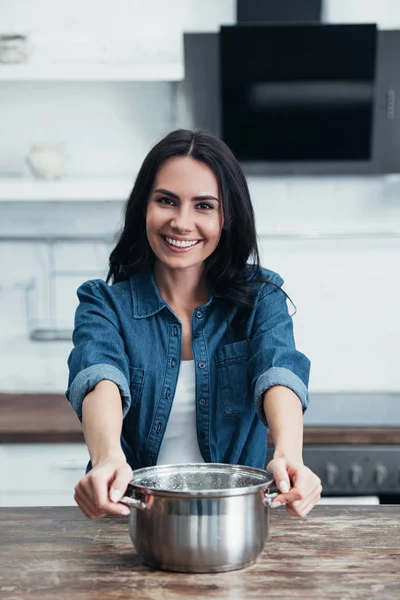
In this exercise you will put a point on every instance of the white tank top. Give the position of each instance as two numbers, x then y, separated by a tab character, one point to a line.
179	444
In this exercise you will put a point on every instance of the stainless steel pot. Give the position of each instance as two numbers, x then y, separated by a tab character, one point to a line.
199	518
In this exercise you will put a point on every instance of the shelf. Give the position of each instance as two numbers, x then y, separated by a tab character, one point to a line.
92	72
24	189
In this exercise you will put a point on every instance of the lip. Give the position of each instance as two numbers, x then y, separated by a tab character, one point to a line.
175	248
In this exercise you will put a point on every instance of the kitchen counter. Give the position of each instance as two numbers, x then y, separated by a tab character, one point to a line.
49	418
335	553
38	418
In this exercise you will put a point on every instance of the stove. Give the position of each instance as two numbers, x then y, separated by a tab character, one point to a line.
347	470
355	468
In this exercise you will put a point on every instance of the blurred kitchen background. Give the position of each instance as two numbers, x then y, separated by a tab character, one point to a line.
306	94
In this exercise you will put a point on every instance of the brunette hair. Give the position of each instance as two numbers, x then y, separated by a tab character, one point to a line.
234	266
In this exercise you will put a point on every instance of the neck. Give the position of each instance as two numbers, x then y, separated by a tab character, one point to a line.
181	287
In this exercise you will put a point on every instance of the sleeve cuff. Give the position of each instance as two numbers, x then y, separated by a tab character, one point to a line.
87	379
278	376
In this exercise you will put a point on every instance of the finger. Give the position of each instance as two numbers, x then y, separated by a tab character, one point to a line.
84	505
294	495
278	469
86	502
118	487
301	509
313	494
97	492
82	508
95	512
118	508
306	484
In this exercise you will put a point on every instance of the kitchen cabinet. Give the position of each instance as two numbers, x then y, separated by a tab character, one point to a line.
41	474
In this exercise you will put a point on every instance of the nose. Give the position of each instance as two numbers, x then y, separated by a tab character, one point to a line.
182	221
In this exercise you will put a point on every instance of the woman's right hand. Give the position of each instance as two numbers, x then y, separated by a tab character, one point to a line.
98	493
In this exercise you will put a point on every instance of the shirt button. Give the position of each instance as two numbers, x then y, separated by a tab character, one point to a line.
202	365
202	402
168	393
202	436
199	314
173	362
175	331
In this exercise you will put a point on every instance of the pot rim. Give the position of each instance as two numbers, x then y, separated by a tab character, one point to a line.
211	493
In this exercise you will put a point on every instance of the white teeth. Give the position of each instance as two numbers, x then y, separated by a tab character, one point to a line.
183	244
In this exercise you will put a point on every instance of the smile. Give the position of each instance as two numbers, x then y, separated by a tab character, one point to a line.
179	245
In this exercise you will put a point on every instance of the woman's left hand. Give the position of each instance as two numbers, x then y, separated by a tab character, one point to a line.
300	488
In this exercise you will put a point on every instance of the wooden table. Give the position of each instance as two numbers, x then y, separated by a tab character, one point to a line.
338	553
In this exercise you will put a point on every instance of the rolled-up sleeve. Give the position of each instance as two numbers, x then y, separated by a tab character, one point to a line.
99	351
274	359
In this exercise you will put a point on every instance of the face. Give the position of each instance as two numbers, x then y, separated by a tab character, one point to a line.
184	213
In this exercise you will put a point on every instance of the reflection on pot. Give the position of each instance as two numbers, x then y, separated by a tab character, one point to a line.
47	161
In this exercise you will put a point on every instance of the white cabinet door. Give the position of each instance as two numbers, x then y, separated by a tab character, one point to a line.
41	474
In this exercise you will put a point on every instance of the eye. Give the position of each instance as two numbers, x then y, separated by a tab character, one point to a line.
165	201
205	206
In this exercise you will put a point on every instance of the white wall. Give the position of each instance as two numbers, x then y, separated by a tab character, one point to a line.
346	290
106	129
386	13
343	277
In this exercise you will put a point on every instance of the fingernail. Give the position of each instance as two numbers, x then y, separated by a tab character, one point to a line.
115	495
125	511
284	487
275	504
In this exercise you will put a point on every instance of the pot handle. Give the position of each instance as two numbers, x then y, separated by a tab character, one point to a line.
268	498
134	503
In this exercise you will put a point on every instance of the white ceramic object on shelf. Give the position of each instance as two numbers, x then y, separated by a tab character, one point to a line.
47	161
13	49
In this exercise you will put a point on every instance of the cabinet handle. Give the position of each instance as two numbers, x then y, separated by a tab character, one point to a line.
71	465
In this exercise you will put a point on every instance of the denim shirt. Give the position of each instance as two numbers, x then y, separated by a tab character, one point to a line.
127	333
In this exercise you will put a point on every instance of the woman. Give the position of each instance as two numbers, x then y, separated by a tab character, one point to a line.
189	354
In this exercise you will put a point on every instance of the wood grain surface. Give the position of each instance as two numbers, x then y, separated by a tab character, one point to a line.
38	418
49	418
336	553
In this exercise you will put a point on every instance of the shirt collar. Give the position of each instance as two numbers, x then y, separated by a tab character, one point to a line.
146	297
147	300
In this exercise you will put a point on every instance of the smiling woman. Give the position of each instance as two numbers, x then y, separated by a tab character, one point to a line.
198	183
179	220
189	354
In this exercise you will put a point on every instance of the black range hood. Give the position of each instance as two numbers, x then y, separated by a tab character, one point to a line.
298	93
302	98
278	11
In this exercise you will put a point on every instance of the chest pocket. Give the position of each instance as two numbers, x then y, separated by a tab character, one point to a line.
232	361
136	384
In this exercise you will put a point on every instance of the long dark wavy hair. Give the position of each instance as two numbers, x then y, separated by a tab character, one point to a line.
234	266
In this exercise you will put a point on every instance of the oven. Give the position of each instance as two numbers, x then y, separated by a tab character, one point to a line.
352	442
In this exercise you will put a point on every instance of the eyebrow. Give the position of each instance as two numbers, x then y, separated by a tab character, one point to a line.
168	193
